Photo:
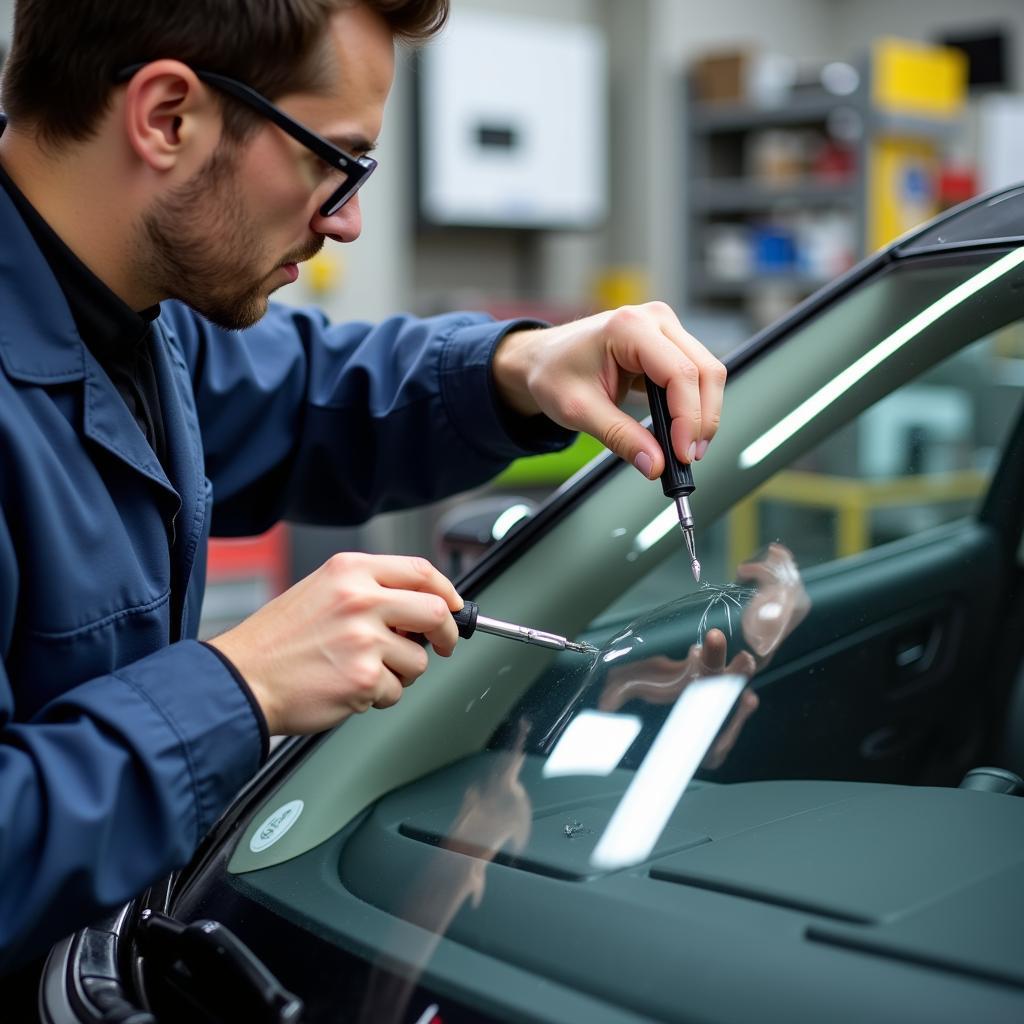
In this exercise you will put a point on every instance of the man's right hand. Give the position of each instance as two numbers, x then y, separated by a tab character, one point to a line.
330	647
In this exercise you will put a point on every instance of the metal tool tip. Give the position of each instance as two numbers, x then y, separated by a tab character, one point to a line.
580	648
695	566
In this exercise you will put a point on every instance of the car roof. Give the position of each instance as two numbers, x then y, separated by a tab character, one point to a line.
994	218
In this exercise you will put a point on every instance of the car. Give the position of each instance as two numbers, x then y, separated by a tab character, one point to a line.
788	792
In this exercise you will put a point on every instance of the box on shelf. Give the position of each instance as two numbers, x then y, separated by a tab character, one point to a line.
721	77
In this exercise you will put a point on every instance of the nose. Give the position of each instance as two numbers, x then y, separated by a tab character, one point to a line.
343	226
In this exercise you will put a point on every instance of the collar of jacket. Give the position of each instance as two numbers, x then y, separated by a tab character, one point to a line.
40	344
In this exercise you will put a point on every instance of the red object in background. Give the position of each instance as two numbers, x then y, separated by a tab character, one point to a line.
264	557
956	185
834	162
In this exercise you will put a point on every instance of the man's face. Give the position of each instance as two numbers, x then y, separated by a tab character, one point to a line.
235	232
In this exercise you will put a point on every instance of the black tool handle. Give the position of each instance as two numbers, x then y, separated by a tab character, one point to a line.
465	618
676	480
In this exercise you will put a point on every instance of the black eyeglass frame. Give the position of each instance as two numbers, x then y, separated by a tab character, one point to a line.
356	168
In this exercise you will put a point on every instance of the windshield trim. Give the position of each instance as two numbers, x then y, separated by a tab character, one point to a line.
901	248
596	472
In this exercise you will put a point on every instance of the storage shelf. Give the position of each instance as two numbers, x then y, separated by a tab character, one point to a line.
731	117
739	195
907	125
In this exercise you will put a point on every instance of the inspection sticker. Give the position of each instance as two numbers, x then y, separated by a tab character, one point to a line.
275	826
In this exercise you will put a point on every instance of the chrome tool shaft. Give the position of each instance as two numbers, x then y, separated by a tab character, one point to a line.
526	635
686	525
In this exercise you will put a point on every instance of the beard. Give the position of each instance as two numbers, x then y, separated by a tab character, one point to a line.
205	251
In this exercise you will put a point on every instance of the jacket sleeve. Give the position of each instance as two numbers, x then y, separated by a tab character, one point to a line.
111	785
331	424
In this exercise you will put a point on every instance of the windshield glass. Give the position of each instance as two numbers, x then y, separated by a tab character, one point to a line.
867	437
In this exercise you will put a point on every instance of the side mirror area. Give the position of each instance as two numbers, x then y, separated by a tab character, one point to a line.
467	532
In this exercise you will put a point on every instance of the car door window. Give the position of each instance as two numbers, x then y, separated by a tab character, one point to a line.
916	454
921	457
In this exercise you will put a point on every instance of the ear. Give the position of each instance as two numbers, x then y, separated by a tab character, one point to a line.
168	113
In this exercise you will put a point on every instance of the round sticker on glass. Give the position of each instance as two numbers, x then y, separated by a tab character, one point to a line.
275	826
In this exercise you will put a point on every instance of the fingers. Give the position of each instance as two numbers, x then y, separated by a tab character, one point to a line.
404	658
330	646
743	664
404	593
402	572
389	687
655	343
776	567
713	652
711	376
423	614
745	707
638	345
623	435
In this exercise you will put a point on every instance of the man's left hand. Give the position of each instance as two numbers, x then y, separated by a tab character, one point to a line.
577	374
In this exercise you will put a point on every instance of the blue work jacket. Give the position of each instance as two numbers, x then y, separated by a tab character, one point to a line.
122	738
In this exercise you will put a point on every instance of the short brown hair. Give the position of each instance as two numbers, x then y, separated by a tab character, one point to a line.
64	56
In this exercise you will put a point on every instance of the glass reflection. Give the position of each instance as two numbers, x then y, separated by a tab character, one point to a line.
677	675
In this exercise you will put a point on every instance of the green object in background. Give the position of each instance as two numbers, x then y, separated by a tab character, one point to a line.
539	470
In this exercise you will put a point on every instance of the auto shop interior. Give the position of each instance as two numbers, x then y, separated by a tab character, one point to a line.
766	168
728	158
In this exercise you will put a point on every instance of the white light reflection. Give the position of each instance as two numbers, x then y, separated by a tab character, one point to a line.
838	386
662	523
666	771
593	744
619	653
508	519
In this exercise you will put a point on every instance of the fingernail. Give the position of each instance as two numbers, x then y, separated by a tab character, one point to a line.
702	450
691	452
644	463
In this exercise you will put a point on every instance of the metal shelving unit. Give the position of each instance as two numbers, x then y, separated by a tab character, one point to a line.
892	115
717	134
739	195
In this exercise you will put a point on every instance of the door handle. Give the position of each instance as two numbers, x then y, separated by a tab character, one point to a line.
914	653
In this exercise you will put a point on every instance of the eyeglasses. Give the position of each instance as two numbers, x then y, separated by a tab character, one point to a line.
353	169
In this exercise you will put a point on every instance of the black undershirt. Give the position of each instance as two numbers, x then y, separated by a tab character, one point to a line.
118	337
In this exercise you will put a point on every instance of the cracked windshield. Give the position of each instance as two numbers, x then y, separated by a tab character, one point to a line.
601	754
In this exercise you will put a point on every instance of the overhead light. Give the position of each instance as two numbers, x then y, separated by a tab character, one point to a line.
593	744
796	420
666	771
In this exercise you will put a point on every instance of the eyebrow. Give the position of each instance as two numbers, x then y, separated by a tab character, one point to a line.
352	143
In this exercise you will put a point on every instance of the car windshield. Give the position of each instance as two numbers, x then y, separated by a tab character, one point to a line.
869	432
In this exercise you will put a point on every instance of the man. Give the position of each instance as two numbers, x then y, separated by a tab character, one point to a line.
150	205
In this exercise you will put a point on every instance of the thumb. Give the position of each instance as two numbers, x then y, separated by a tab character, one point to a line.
628	439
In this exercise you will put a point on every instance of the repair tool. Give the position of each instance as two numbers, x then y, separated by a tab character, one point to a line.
677	479
469	620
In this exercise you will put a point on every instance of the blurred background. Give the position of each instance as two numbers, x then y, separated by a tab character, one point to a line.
551	158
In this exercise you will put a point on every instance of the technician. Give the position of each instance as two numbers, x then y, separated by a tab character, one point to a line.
150	204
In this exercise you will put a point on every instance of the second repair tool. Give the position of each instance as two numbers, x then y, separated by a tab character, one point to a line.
469	620
677	479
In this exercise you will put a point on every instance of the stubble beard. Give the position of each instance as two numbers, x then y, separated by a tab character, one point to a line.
205	251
